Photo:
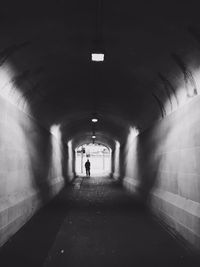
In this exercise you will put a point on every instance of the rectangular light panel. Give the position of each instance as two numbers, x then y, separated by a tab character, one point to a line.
97	57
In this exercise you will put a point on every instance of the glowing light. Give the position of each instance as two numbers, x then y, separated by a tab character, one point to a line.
116	172
133	132
94	120
70	159
56	160
94	137
55	130
8	89
131	152
97	57
99	156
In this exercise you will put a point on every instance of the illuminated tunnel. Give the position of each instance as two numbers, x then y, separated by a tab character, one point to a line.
145	95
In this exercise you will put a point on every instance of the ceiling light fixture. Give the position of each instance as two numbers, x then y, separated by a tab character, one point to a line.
97	57
94	120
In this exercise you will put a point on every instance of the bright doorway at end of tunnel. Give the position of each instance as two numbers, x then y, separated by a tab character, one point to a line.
99	157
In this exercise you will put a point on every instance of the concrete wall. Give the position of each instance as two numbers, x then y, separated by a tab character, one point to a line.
30	168
162	166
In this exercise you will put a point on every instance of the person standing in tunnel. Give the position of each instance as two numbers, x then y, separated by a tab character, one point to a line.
87	168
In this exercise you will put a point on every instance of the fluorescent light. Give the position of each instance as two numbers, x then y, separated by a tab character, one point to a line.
97	57
94	120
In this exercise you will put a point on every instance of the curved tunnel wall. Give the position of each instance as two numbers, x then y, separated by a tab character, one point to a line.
162	167
30	168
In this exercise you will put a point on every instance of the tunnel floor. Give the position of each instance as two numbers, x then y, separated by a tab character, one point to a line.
94	222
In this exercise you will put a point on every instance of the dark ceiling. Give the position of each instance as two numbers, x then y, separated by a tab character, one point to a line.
48	44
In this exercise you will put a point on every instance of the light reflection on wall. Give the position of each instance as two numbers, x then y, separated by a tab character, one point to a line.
116	160
131	165
196	75
70	159
133	132
56	163
185	92
14	154
9	90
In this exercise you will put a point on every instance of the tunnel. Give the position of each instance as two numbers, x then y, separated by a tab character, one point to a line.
124	75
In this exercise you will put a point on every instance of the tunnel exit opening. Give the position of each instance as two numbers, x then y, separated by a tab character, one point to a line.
99	157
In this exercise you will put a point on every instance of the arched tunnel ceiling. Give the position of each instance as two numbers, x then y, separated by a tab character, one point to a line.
105	140
48	46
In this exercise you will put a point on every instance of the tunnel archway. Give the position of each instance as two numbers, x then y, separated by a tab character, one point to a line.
149	82
99	156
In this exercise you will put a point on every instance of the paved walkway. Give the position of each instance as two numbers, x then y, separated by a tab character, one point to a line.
94	223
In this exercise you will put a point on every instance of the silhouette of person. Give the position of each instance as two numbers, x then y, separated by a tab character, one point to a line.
87	168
